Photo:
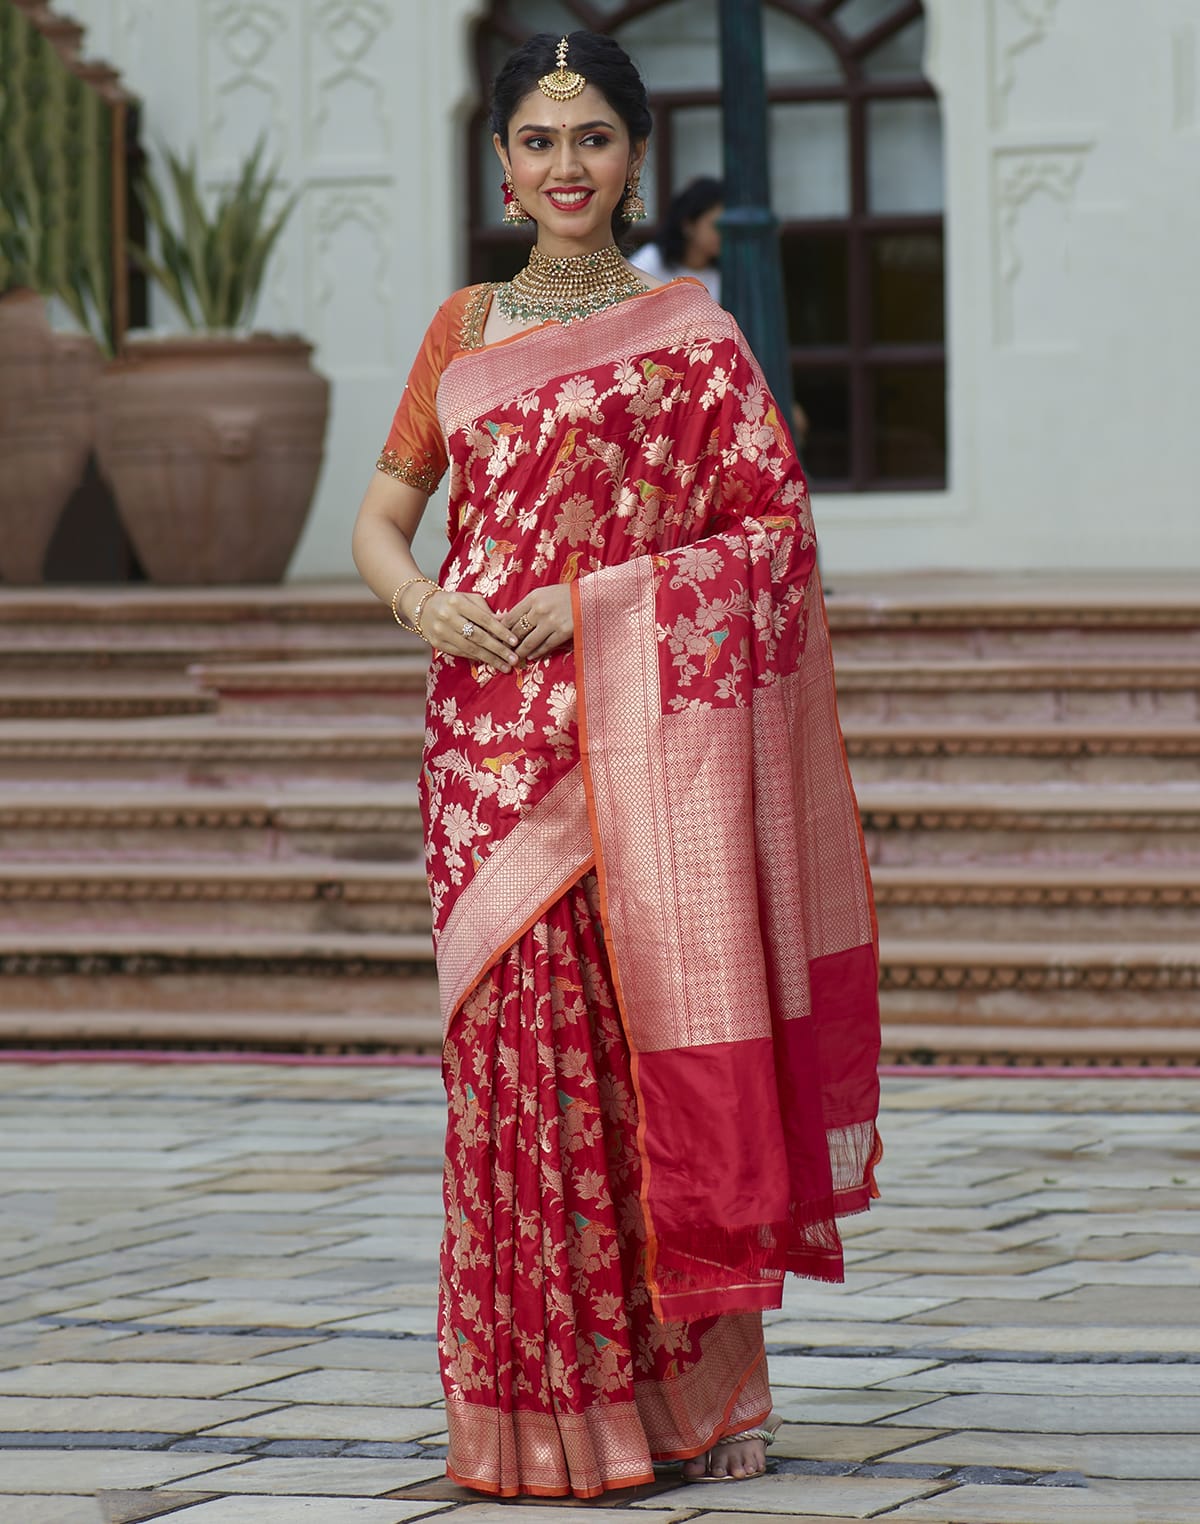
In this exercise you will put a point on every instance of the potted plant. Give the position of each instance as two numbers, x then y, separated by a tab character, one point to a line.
47	392
212	439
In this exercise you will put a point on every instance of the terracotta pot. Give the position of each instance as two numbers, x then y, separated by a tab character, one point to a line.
47	426
212	445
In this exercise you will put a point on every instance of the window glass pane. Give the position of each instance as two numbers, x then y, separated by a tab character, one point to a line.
796	55
909	405
815	274
904	156
907	303
825	397
810	160
901	56
859	16
676	46
696	144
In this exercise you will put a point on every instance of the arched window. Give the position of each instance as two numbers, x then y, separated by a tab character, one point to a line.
856	174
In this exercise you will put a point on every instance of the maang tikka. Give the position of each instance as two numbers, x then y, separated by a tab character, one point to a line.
564	84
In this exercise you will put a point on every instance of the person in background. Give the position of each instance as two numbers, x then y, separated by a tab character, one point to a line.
690	240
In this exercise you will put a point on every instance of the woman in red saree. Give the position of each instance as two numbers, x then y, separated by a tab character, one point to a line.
655	936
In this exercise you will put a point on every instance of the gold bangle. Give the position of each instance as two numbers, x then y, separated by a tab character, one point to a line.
420	609
396	615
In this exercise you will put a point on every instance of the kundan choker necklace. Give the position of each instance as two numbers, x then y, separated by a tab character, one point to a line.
565	290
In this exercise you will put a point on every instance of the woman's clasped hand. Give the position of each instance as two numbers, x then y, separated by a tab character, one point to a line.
462	624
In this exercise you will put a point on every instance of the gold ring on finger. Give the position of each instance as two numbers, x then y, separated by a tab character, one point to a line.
524	625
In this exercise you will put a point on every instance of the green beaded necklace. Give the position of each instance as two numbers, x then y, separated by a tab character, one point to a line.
566	290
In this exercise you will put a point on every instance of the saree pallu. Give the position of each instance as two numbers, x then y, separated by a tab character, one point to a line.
655	935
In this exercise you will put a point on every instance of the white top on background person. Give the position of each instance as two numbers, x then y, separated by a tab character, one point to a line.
689	242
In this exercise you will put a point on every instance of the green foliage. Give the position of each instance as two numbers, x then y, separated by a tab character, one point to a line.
56	178
211	264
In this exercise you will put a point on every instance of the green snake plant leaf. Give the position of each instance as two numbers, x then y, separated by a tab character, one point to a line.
211	264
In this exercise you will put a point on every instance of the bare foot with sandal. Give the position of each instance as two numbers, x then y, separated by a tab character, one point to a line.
735	1458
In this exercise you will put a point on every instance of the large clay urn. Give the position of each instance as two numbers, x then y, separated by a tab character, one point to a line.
212	445
47	424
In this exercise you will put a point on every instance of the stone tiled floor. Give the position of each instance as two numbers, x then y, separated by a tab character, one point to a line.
218	1297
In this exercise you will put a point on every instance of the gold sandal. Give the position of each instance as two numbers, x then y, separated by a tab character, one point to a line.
765	1436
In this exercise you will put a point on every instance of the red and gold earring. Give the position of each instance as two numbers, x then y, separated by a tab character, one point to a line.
514	212
633	208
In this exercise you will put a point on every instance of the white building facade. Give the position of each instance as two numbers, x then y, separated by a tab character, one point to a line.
1069	184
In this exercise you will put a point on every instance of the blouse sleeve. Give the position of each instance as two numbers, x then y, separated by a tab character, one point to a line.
415	451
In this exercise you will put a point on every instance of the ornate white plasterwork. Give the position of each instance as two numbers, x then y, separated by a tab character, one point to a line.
1016	26
352	291
1018	176
346	59
1185	78
246	50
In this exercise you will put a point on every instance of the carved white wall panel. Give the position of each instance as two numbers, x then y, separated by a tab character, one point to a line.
353	243
347	115
1017	27
248	59
1036	306
1185	78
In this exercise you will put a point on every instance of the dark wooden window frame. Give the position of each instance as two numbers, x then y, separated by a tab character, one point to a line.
860	358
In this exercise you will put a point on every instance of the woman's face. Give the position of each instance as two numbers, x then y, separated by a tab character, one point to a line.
703	238
570	163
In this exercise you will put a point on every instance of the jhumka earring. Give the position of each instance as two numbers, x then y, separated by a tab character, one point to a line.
514	212
633	208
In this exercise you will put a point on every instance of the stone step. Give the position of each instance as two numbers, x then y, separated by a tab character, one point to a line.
1042	826
297	897
1031	692
874	692
232	752
215	971
304	896
186	827
886	617
98	697
1055	825
51	629
363	685
1006	754
1091	988
411	1030
1039	904
1016	615
918	1043
194	750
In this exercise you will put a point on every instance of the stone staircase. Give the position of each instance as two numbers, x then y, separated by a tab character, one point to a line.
209	833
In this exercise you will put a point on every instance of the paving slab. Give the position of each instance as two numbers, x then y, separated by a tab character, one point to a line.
299	1510
59	1510
255	1287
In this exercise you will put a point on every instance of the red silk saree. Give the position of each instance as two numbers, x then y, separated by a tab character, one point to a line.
655	935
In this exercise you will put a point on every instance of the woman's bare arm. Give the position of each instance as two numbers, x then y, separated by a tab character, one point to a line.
383	533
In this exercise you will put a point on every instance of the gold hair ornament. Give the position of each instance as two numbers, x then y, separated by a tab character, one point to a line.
564	84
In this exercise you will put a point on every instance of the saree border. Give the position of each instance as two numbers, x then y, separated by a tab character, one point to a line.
547	851
583	636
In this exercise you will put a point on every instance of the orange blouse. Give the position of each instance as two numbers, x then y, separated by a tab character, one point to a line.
415	451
